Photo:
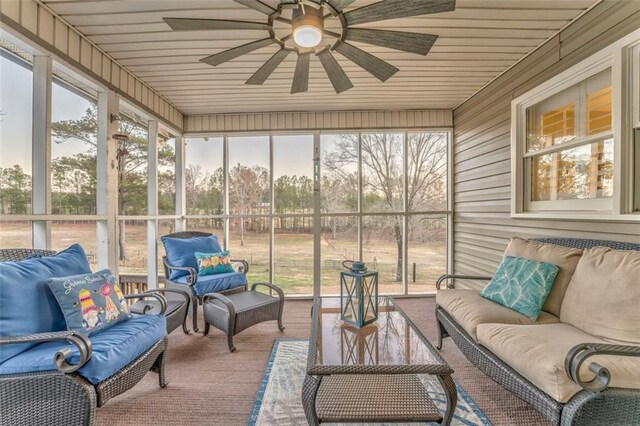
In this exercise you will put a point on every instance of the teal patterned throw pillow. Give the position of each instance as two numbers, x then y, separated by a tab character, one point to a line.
521	285
213	263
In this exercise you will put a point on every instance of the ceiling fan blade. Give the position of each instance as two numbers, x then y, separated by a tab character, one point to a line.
407	42
257	5
301	76
230	54
180	24
391	9
268	68
338	77
375	66
340	4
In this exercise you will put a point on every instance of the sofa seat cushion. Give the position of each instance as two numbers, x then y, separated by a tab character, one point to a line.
27	306
216	283
565	258
538	352
603	297
112	349
470	310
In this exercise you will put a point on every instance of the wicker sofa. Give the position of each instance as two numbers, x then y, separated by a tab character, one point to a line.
570	376
62	376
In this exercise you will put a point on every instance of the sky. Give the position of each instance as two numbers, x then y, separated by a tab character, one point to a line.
293	155
16	98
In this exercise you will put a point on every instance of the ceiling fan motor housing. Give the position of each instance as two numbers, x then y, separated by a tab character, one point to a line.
307	17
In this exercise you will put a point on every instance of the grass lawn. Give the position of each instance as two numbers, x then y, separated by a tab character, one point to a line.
293	255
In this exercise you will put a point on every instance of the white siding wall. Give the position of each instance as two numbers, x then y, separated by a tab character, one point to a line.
31	20
482	223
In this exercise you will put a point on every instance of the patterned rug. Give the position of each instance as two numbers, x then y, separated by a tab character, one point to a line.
278	399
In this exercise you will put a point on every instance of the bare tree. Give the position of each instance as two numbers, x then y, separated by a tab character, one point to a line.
384	172
247	189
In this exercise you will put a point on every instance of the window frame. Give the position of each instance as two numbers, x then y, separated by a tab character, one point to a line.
620	57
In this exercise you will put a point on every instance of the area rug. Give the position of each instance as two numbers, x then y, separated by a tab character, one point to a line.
278	400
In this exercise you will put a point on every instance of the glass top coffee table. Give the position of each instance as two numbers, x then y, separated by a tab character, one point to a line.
370	374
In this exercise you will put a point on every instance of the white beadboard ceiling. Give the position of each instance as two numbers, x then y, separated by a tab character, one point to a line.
478	41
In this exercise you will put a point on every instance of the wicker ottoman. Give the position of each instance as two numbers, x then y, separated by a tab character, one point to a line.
238	311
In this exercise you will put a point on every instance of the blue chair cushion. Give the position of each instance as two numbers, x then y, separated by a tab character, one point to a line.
216	283
90	302
181	252
26	304
112	349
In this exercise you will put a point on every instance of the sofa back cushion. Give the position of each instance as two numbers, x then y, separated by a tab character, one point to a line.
27	305
90	302
565	258
603	298
181	252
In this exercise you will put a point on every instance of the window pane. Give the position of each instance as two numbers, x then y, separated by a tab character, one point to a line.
249	240
339	242
382	250
212	226
16	100
64	234
339	154
293	259
204	176
579	111
579	173
133	163
15	235
293	174
249	175
427	252
132	247
427	171
382	172
167	177
74	133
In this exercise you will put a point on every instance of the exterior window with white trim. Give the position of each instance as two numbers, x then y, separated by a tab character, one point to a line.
569	147
573	153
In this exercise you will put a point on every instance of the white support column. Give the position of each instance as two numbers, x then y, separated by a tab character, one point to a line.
360	198
152	206
317	222
107	182
181	181
41	150
225	185
405	218
272	222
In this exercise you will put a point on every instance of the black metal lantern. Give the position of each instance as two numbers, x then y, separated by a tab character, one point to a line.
358	294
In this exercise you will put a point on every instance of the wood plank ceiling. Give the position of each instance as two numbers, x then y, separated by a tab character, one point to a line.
478	41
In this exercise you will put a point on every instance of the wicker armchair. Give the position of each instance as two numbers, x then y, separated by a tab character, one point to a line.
62	396
192	276
596	404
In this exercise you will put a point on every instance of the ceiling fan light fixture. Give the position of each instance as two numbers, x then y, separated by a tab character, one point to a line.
307	26
307	36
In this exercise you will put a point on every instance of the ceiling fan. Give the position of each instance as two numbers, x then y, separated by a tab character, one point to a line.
319	27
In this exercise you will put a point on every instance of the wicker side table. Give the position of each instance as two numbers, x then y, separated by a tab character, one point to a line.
238	311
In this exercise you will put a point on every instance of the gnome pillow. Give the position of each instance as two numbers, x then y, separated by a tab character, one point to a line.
90	302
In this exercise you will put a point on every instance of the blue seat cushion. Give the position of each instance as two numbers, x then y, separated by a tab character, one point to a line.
27	305
112	349
216	283
181	252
